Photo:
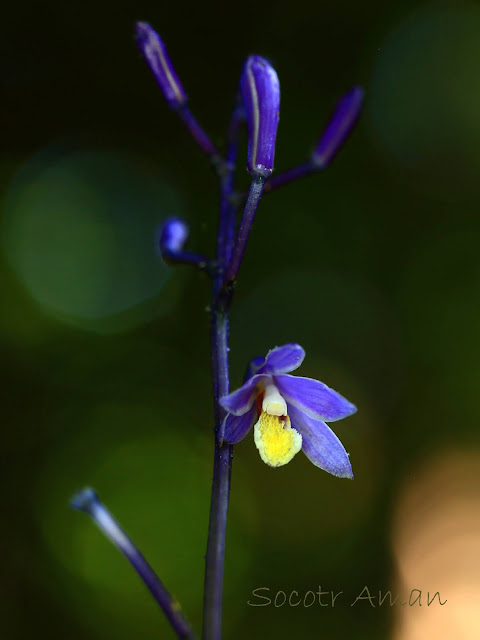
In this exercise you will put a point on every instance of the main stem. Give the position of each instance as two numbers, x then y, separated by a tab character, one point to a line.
223	453
222	468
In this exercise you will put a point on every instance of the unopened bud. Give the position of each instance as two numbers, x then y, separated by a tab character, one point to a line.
172	236
260	91
341	123
157	58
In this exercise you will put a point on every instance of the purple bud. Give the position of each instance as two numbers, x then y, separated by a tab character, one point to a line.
341	123
260	91
157	58
173	235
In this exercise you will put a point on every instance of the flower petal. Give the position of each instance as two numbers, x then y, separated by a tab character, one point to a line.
254	366
283	359
321	445
314	398
240	401
235	428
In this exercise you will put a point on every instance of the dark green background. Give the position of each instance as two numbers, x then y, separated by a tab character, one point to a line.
373	266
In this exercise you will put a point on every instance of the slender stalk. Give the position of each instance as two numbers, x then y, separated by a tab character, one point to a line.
222	469
223	457
254	195
223	454
88	502
274	183
200	137
229	209
282	179
188	258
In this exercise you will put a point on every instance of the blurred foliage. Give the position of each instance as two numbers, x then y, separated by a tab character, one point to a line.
373	266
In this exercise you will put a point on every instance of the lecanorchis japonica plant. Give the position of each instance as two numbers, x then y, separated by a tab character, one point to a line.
288	413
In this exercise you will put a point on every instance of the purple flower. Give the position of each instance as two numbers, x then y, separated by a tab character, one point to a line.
156	55
260	92
289	413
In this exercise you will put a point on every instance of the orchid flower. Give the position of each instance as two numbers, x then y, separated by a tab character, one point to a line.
289	413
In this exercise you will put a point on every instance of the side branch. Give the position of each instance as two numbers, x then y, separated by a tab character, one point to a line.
340	126
228	209
254	196
201	138
172	236
282	179
88	502
156	55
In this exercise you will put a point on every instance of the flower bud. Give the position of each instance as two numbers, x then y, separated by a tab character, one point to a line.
173	235
157	58
260	91
341	123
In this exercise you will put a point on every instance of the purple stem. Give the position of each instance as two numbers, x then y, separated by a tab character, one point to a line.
189	258
200	137
88	502
222	470
254	195
222	467
290	175
228	209
223	453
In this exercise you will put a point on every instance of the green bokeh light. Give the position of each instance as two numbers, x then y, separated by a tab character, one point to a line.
79	232
424	100
440	296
